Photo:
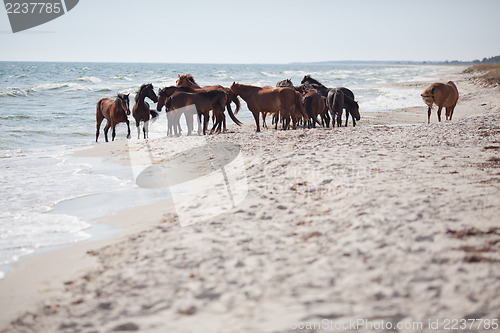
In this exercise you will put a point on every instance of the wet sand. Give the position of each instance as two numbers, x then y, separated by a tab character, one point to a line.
394	220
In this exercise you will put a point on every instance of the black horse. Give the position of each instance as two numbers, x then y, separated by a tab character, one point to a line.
349	101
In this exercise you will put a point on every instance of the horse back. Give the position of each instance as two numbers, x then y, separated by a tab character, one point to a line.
103	107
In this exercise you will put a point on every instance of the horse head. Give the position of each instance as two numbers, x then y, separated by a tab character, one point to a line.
355	111
186	80
285	83
235	88
162	98
123	100
306	78
150	93
146	90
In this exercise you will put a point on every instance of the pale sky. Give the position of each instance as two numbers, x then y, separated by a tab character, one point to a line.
270	31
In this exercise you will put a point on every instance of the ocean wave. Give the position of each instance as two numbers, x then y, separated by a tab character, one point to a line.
14	92
92	79
124	77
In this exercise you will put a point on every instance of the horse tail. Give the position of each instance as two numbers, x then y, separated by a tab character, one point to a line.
233	98
154	116
99	117
308	106
228	105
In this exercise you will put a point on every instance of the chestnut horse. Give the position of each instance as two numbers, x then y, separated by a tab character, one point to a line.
141	111
315	105
284	101
443	95
115	111
173	117
314	102
204	101
187	80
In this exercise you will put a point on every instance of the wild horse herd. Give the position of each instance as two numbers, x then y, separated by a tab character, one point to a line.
288	104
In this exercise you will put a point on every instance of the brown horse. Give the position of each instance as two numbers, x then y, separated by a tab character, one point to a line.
335	102
315	106
284	101
115	111
141	111
204	101
187	80
173	117
443	95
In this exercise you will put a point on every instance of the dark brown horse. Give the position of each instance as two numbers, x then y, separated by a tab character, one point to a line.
443	95
141	111
315	106
174	116
283	101
204	101
337	100
115	111
187	80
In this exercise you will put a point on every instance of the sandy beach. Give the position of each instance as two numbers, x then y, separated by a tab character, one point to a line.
394	220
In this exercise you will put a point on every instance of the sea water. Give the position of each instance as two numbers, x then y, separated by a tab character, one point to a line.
47	112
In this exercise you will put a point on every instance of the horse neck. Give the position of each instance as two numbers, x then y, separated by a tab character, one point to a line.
348	101
246	90
141	96
191	84
120	106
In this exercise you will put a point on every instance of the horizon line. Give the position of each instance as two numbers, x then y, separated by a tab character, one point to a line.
255	63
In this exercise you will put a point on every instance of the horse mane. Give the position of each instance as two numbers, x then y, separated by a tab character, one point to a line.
310	80
141	89
188	77
122	96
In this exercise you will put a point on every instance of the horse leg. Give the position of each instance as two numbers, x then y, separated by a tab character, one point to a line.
169	123
137	125
189	122
346	117
128	128
353	121
429	115
264	115
146	129
113	132
439	113
256	118
206	117
106	129
452	109
98	126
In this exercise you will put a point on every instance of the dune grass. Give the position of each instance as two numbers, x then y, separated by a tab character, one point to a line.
489	73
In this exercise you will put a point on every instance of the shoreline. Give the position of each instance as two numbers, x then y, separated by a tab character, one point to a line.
360	230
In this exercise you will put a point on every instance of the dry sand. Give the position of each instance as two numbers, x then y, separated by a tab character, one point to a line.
393	223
